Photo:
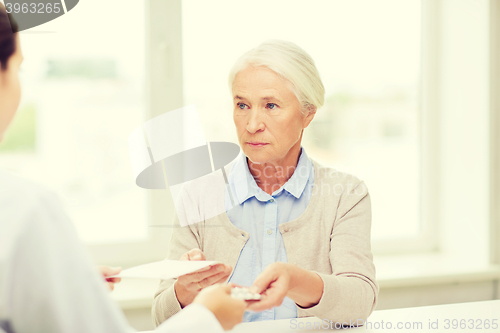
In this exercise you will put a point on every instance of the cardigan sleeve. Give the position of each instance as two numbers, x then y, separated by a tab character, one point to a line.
165	303
195	206
350	292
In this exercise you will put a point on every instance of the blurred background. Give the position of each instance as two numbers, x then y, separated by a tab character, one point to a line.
411	108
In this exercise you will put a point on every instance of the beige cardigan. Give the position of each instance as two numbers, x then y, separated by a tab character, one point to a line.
331	238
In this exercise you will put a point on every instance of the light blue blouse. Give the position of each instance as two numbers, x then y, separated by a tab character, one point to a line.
259	214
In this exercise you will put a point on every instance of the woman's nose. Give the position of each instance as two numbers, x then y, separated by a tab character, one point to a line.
255	122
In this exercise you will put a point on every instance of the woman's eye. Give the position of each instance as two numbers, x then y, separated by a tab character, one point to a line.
272	106
241	106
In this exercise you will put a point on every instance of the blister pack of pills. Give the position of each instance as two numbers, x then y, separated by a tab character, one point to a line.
244	294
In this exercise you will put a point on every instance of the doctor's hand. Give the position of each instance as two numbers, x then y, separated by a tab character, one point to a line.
189	285
217	298
108	271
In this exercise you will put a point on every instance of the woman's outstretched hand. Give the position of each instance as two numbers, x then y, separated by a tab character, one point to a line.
279	280
273	283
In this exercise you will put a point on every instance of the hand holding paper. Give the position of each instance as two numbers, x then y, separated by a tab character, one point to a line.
188	285
192	270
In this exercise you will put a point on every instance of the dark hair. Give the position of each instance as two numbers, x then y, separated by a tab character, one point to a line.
8	28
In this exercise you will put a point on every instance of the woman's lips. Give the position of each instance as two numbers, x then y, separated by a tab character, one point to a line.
257	144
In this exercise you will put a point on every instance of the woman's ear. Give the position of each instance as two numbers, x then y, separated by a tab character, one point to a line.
310	113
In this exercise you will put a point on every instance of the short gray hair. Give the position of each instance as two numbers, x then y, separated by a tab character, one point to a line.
292	63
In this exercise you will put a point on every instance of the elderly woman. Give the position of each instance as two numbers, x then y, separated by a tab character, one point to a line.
298	233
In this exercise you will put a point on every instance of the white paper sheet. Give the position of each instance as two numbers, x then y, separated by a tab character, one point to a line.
165	269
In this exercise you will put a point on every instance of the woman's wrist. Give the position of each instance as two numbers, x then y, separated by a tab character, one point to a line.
184	296
296	281
305	287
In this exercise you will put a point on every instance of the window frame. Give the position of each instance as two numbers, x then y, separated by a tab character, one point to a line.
429	196
494	83
163	91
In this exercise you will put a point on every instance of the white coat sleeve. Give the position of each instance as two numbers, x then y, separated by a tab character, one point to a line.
55	287
193	318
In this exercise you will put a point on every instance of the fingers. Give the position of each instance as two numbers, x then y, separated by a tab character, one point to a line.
227	288
238	307
233	285
222	279
113	280
264	304
210	289
217	298
217	278
195	254
227	271
201	279
203	269
108	271
261	283
203	274
204	277
272	296
226	267
273	283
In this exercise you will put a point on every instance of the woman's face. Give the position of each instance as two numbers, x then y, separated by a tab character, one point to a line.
10	88
267	116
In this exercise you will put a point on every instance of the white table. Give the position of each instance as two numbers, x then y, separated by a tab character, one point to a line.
416	320
443	314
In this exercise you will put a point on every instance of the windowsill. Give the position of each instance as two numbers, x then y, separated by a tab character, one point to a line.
392	272
431	268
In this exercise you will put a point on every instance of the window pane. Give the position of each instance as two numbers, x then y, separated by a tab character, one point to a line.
83	79
368	55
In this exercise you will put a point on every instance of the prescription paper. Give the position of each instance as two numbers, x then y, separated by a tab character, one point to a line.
165	269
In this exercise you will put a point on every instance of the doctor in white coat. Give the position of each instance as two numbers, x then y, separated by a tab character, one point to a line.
47	280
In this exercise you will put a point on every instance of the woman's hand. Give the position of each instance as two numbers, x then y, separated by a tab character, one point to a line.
273	283
188	286
279	280
108	271
217	298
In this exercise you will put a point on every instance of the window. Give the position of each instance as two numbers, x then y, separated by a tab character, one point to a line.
368	54
83	93
90	78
